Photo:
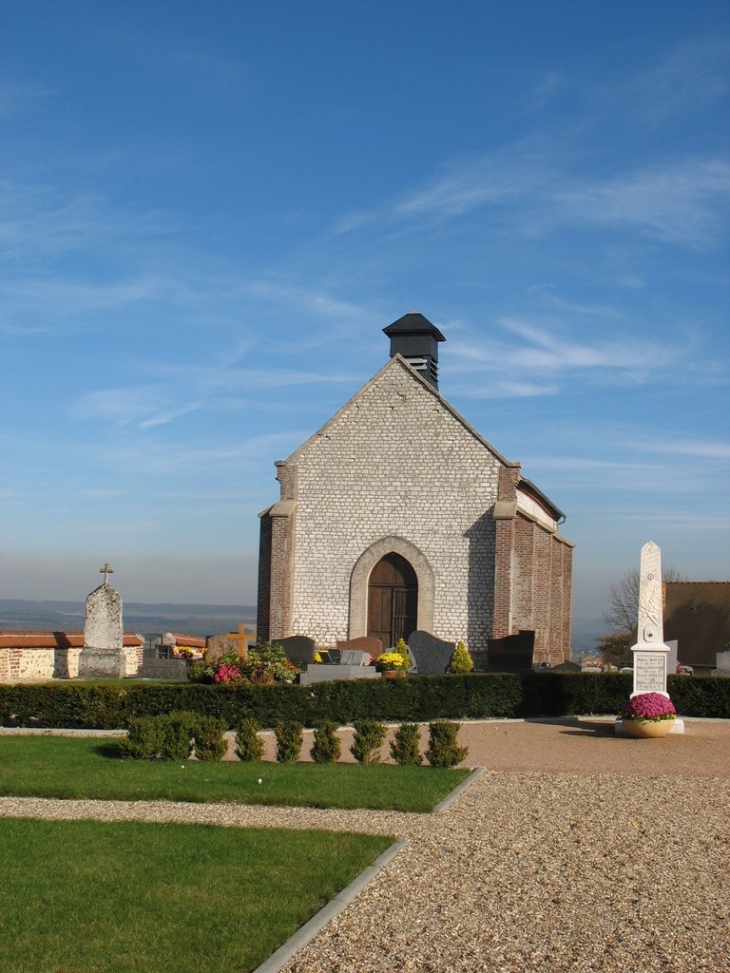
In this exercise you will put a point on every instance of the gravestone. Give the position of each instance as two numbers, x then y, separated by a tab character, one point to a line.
366	643
329	673
102	656
298	649
513	653
432	656
354	657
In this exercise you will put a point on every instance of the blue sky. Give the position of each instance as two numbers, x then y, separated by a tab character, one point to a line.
210	211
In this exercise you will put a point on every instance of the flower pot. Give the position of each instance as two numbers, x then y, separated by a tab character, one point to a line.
648	729
394	673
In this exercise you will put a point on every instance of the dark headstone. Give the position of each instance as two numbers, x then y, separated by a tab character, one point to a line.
298	649
566	667
168	669
513	653
431	656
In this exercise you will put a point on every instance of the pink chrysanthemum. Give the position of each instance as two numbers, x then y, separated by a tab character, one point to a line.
649	706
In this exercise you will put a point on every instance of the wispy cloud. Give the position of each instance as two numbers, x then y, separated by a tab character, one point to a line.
692	75
44	222
682	203
536	192
544	357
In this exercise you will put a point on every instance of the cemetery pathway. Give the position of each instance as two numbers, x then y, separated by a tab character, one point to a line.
577	851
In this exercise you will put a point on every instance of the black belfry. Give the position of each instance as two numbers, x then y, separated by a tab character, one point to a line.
416	339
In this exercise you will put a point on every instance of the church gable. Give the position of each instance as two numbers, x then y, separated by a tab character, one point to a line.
387	402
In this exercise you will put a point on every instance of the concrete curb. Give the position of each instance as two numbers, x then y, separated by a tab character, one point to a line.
309	930
458	791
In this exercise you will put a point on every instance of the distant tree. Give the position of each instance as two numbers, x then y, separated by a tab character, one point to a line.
621	618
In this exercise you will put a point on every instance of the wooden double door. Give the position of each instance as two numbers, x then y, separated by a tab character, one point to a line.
392	600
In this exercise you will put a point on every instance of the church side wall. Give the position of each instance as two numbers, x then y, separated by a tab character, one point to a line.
542	579
395	462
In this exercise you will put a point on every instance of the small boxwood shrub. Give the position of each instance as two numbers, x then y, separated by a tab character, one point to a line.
326	747
179	736
249	745
369	738
145	738
210	743
288	741
404	748
443	749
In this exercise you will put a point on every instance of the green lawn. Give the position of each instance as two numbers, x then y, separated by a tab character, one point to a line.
90	897
88	767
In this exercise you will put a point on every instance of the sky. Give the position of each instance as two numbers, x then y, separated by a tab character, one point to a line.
210	211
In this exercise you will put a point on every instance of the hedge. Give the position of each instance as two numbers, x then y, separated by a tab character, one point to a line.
417	699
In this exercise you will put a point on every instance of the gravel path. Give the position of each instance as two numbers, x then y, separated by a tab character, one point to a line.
577	851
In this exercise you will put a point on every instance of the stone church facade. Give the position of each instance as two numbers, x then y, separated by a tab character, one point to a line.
397	515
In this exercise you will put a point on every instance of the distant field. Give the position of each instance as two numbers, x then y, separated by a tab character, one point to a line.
19	614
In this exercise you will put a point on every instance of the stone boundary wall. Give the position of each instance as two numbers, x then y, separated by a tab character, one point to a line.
41	664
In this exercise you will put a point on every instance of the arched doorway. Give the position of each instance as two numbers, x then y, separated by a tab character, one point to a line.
392	600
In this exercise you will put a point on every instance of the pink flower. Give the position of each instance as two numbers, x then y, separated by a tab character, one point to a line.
227	674
649	706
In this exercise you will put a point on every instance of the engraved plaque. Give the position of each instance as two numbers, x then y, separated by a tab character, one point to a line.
650	672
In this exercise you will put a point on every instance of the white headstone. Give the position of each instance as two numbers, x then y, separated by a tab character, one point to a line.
650	652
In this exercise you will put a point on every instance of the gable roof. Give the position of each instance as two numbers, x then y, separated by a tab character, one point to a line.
398	361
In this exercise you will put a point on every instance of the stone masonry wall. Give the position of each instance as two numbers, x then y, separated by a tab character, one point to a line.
395	461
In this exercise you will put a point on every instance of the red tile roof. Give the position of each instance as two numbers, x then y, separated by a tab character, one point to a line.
54	640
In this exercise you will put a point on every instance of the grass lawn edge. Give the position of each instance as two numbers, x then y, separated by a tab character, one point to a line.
309	930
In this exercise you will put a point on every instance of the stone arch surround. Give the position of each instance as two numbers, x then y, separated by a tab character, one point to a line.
361	575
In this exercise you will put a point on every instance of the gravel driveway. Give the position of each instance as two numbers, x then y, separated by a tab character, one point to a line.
576	851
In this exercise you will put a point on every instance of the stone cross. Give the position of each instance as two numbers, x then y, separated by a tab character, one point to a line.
106	571
650	652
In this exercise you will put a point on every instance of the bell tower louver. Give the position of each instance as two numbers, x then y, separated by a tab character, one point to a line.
416	339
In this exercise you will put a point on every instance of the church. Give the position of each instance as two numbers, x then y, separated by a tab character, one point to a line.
397	516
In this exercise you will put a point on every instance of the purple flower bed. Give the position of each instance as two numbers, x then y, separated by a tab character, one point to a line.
649	706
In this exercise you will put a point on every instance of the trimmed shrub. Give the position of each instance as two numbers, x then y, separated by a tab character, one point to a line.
404	748
369	738
179	736
210	744
249	745
418	699
402	649
461	661
326	747
288	741
443	749
145	738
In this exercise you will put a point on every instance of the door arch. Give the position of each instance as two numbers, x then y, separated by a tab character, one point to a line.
392	600
363	568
